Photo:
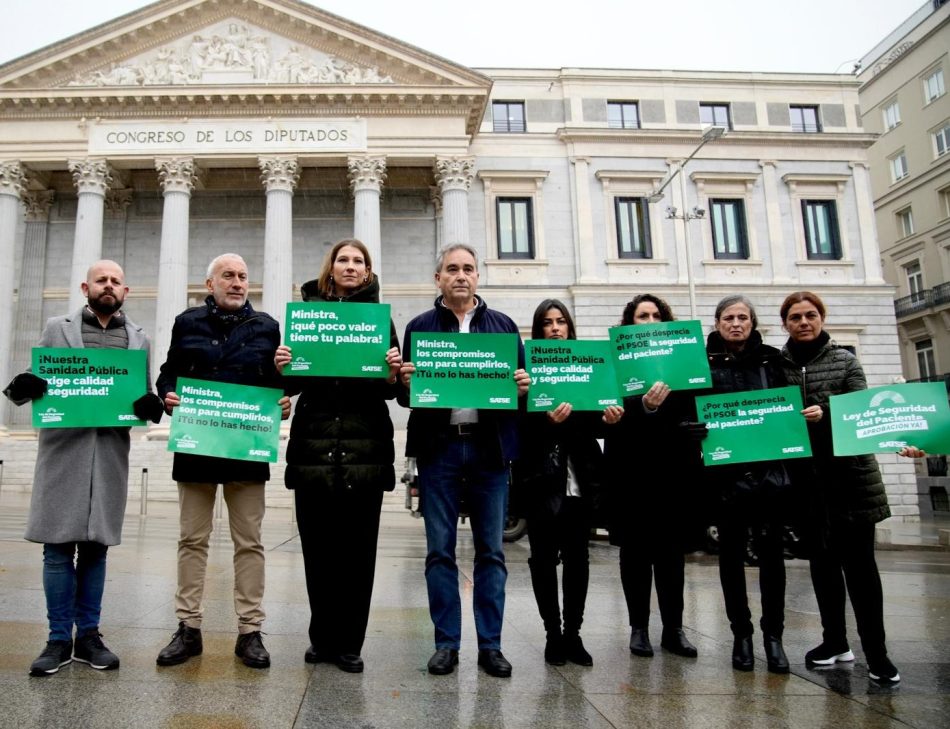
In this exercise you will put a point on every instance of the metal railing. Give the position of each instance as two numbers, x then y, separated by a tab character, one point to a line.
941	294
912	304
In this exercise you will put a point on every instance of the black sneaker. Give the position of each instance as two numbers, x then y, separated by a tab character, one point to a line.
828	655
185	643
250	649
55	655
882	670
90	649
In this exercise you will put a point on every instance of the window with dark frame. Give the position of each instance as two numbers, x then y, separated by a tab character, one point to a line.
820	219
727	218
507	116
804	118
623	115
926	362
715	114
633	227
515	227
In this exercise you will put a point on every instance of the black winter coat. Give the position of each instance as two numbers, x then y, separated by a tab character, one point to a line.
757	366
540	473
852	489
653	488
206	348
341	435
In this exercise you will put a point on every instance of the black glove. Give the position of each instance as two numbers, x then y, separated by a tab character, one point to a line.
25	387
149	407
693	431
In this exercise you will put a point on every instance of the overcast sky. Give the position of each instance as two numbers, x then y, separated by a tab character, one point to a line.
822	36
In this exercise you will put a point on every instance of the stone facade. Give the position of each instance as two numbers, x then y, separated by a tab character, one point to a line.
416	152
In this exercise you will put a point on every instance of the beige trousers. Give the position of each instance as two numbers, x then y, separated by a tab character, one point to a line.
245	501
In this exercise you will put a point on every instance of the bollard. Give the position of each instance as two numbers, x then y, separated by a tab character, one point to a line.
1	472
219	504
143	494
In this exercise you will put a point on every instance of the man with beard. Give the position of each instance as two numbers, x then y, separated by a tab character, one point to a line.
81	480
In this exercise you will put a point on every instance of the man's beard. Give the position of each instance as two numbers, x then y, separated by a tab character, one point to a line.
107	308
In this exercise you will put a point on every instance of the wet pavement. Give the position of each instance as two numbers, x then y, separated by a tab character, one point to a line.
620	690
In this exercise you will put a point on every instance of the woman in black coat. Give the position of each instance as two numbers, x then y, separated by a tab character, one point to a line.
753	496
651	522
339	462
556	483
846	499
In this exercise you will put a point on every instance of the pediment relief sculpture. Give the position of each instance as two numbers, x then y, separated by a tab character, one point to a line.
231	51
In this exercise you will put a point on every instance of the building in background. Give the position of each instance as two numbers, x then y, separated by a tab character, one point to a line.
272	129
904	100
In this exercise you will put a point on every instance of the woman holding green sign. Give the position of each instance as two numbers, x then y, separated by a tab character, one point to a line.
339	462
847	498
653	436
753	496
557	479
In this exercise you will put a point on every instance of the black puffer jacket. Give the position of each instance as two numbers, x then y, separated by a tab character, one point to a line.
206	347
852	488
540	473
341	436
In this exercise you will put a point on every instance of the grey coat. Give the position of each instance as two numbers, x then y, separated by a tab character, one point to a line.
82	474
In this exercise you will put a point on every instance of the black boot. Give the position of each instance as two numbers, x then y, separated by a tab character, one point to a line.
675	641
775	654
640	642
575	651
742	657
554	649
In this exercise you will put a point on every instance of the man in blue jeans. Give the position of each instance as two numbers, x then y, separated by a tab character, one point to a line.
463	451
81	480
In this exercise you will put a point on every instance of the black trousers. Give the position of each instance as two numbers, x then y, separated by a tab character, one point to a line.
848	559
647	558
338	534
767	542
560	537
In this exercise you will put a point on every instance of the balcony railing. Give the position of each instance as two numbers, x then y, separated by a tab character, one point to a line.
941	294
912	304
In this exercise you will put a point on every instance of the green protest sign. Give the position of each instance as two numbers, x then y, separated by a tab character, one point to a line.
464	370
673	352
337	339
758	425
569	370
227	421
886	419
88	388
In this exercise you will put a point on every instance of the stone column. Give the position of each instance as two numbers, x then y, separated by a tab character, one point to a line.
870	253
367	174
454	176
585	221
176	176
92	178
773	218
435	196
29	313
279	175
12	186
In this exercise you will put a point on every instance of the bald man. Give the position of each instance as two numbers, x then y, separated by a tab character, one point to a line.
81	480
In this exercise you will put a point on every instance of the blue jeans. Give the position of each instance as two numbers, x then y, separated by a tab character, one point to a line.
442	479
74	576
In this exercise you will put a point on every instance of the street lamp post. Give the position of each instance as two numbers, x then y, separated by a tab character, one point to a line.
710	134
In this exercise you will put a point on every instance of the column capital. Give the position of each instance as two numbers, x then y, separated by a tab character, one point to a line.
90	175
454	173
38	203
118	200
763	163
367	172
12	178
279	173
859	164
176	174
